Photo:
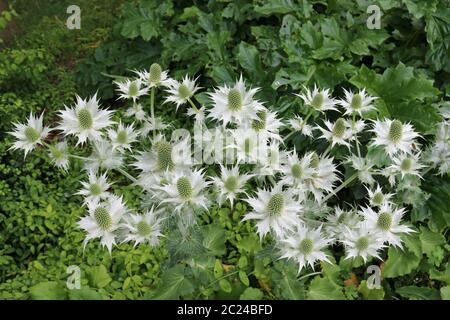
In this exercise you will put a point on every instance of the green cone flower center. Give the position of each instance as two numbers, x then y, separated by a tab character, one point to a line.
56	153
406	165
234	100
95	189
297	171
231	183
341	218
184	91
184	188
103	219
306	246
356	102
32	134
164	155
247	146
155	73
395	131
276	204
317	101
384	221
122	137
259	124
315	160
339	128
85	119
143	229
378	198
362	243
133	90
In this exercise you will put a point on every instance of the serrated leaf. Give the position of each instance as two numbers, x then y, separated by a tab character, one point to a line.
400	263
445	293
324	289
430	240
422	293
213	239
99	277
174	284
251	294
50	290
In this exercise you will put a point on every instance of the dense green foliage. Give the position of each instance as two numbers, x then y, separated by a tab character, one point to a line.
279	45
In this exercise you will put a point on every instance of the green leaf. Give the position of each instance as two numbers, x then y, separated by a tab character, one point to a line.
422	293
324	289
50	290
251	294
370	294
248	57
99	277
250	244
213	239
244	278
218	269
225	285
438	38
401	262
174	284
430	240
276	6
445	293
443	276
84	294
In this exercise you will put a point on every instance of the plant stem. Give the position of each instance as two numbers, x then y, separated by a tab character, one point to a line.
309	275
193	105
126	174
152	110
77	157
356	135
342	186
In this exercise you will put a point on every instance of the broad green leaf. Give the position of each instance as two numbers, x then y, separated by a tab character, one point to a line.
276	6
401	262
443	276
225	285
422	293
438	38
244	278
50	290
213	239
252	294
99	277
174	284
430	240
249	59
324	289
250	244
445	293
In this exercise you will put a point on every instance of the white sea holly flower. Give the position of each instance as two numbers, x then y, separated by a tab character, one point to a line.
377	198
230	184
123	136
249	145
136	111
270	161
386	221
186	188
103	220
339	221
268	124
439	155
29	135
199	114
407	164
395	136
103	156
180	91
296	171
155	77
85	120
150	125
363	166
305	246
59	155
336	133
318	99
234	104
96	188
273	210
131	89
142	228
357	102
299	124
323	178
356	127
362	242
390	173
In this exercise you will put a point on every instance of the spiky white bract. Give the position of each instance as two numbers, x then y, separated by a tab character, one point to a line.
270	160
339	220
357	102
198	114
336	133
274	210
323	178
377	198
143	228
103	156
356	127
136	111
103	220
29	135
96	188
407	164
155	77
85	120
394	136
318	99
439	153
230	184
123	136
364	168
234	104
362	242
305	246
180	91
131	89
386	222
296	171
249	145
149	126
59	155
299	124
268	124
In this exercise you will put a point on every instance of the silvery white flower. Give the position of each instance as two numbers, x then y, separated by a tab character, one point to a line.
29	135
323	178
362	242
377	198
299	124
59	155
142	228
131	89
305	246
394	136
137	112
340	220
155	77
439	154
103	156
180	91
357	102
230	184
407	164
103	220
122	137
250	146
273	210
318	99
96	188
199	114
356	127
295	170
270	161
336	133
267	124
363	166
85	120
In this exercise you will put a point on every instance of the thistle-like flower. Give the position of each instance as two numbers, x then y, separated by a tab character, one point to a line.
179	92
142	228
305	246
122	137
249	145
155	77
377	198
137	112
235	104
85	120
29	135
274	210
95	189
363	166
336	133
59	155
131	89
267	124
362	242
103	156
103	220
323	178
357	102
230	184
299	124
296	171
395	136
339	221
407	164
318	99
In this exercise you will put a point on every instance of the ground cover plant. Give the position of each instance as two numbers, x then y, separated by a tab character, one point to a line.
336	136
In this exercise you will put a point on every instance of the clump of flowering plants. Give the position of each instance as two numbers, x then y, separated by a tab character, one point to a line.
236	152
